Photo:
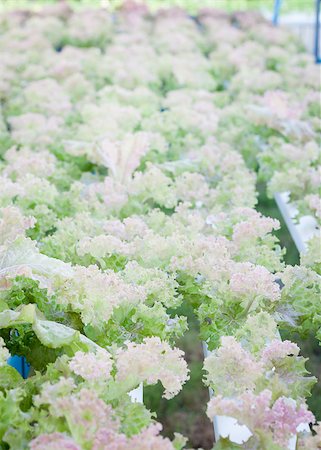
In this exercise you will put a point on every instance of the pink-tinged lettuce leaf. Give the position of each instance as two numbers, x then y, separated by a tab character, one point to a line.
23	257
122	158
13	224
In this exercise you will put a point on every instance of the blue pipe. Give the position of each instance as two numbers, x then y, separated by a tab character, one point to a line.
276	12
20	364
317	32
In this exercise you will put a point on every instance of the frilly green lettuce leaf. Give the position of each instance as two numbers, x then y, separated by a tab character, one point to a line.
50	334
226	444
134	416
9	377
10	412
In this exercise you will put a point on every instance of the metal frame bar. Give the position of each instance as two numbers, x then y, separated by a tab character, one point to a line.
276	12
317	32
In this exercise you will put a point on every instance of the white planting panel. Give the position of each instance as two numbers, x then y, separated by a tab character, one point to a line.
301	231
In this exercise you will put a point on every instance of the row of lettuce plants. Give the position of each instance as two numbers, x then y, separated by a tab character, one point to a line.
130	147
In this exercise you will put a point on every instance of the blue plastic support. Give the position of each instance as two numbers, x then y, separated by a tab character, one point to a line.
317	32
276	12
20	364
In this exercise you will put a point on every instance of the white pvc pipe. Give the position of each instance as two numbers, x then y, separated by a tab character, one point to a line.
136	395
304	229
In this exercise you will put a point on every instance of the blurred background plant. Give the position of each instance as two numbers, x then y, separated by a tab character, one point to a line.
191	5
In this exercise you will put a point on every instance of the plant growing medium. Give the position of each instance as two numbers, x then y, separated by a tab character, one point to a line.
130	147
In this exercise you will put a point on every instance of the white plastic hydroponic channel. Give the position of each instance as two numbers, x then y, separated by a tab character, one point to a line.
301	230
